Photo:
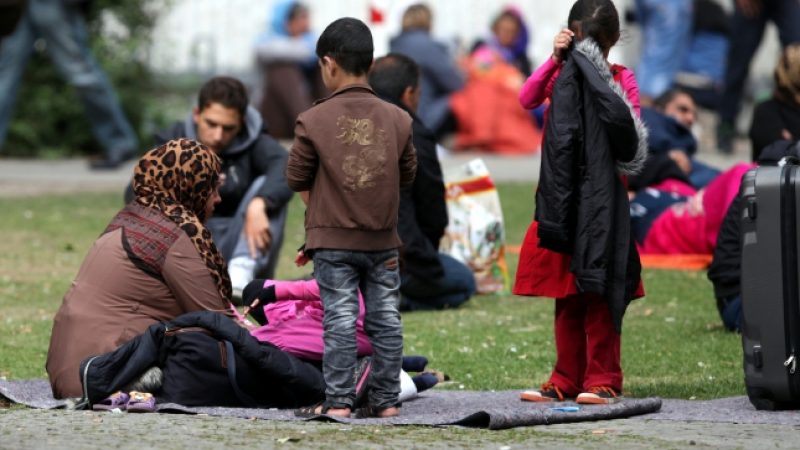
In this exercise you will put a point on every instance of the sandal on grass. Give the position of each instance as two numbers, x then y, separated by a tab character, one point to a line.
319	409
141	402
117	400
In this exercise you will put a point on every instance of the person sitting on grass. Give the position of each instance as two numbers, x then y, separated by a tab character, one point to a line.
248	224
670	124
429	279
154	262
352	153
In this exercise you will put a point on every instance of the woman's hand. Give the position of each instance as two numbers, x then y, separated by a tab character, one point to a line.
561	43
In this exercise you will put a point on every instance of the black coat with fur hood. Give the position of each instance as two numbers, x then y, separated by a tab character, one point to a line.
592	138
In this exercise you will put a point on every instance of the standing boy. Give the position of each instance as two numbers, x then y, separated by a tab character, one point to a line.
352	153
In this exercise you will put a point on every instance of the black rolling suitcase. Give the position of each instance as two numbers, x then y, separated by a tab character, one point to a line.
771	285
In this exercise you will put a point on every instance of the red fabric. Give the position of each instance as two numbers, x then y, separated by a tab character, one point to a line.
488	114
587	347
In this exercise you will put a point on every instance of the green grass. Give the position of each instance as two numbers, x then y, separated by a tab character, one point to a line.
673	345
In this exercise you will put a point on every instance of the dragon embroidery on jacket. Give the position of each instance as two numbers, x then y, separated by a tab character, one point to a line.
364	165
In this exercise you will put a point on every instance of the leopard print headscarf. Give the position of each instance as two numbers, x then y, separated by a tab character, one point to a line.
177	179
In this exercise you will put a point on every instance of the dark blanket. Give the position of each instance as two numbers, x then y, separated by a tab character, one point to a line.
492	410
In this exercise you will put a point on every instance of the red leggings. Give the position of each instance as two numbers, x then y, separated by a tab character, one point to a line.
587	345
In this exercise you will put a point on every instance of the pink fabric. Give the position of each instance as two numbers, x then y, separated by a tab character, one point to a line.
295	321
675	187
539	86
691	227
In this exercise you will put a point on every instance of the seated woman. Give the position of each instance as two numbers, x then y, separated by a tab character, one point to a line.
778	118
154	262
292	80
487	110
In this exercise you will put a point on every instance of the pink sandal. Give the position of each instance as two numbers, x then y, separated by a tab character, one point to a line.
117	400
141	402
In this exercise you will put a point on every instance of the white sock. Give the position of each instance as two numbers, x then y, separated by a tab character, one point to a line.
241	269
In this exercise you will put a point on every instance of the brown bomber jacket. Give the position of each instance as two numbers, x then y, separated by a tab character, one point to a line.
353	152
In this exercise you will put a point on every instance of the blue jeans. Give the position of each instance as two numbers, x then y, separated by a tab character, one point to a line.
340	274
454	288
63	29
666	32
730	311
229	239
745	40
702	174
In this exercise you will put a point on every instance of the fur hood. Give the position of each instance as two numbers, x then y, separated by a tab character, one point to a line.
589	48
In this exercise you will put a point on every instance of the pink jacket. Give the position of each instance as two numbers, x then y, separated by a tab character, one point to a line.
692	227
295	321
539	86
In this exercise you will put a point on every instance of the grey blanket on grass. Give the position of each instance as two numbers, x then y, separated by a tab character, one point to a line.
493	410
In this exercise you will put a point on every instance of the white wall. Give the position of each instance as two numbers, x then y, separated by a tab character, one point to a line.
212	35
216	36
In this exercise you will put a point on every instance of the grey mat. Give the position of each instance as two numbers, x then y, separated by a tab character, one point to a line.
493	410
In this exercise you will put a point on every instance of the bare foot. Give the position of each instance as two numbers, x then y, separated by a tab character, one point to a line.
335	412
391	411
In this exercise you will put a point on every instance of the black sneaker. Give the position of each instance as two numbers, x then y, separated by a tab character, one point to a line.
598	395
549	392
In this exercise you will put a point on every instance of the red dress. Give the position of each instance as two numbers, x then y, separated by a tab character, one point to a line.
542	272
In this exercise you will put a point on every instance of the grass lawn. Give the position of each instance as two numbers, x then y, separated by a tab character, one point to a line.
673	344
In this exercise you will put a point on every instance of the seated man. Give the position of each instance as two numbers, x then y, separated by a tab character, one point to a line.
429	279
247	226
671	141
725	270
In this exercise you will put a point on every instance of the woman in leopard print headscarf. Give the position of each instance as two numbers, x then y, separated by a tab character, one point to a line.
154	262
180	179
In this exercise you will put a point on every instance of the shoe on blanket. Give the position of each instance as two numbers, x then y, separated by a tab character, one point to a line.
549	392
141	402
598	395
117	400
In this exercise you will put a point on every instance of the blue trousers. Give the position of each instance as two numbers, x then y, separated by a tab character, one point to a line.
228	237
454	288
666	32
745	40
63	29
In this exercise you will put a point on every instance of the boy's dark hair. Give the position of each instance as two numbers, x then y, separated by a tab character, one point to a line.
227	91
597	19
392	74
349	42
667	97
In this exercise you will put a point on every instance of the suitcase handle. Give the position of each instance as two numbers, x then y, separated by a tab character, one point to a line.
788	159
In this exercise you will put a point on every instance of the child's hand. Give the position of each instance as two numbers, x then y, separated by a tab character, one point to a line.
301	259
561	43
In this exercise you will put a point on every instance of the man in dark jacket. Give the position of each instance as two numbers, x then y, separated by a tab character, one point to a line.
248	223
671	139
430	280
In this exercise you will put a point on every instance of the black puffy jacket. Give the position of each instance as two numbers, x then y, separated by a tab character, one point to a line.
592	137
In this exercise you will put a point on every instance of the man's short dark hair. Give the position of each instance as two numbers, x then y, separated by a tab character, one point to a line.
392	74
349	42
667	97
227	91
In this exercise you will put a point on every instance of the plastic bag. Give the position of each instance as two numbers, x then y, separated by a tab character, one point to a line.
475	234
